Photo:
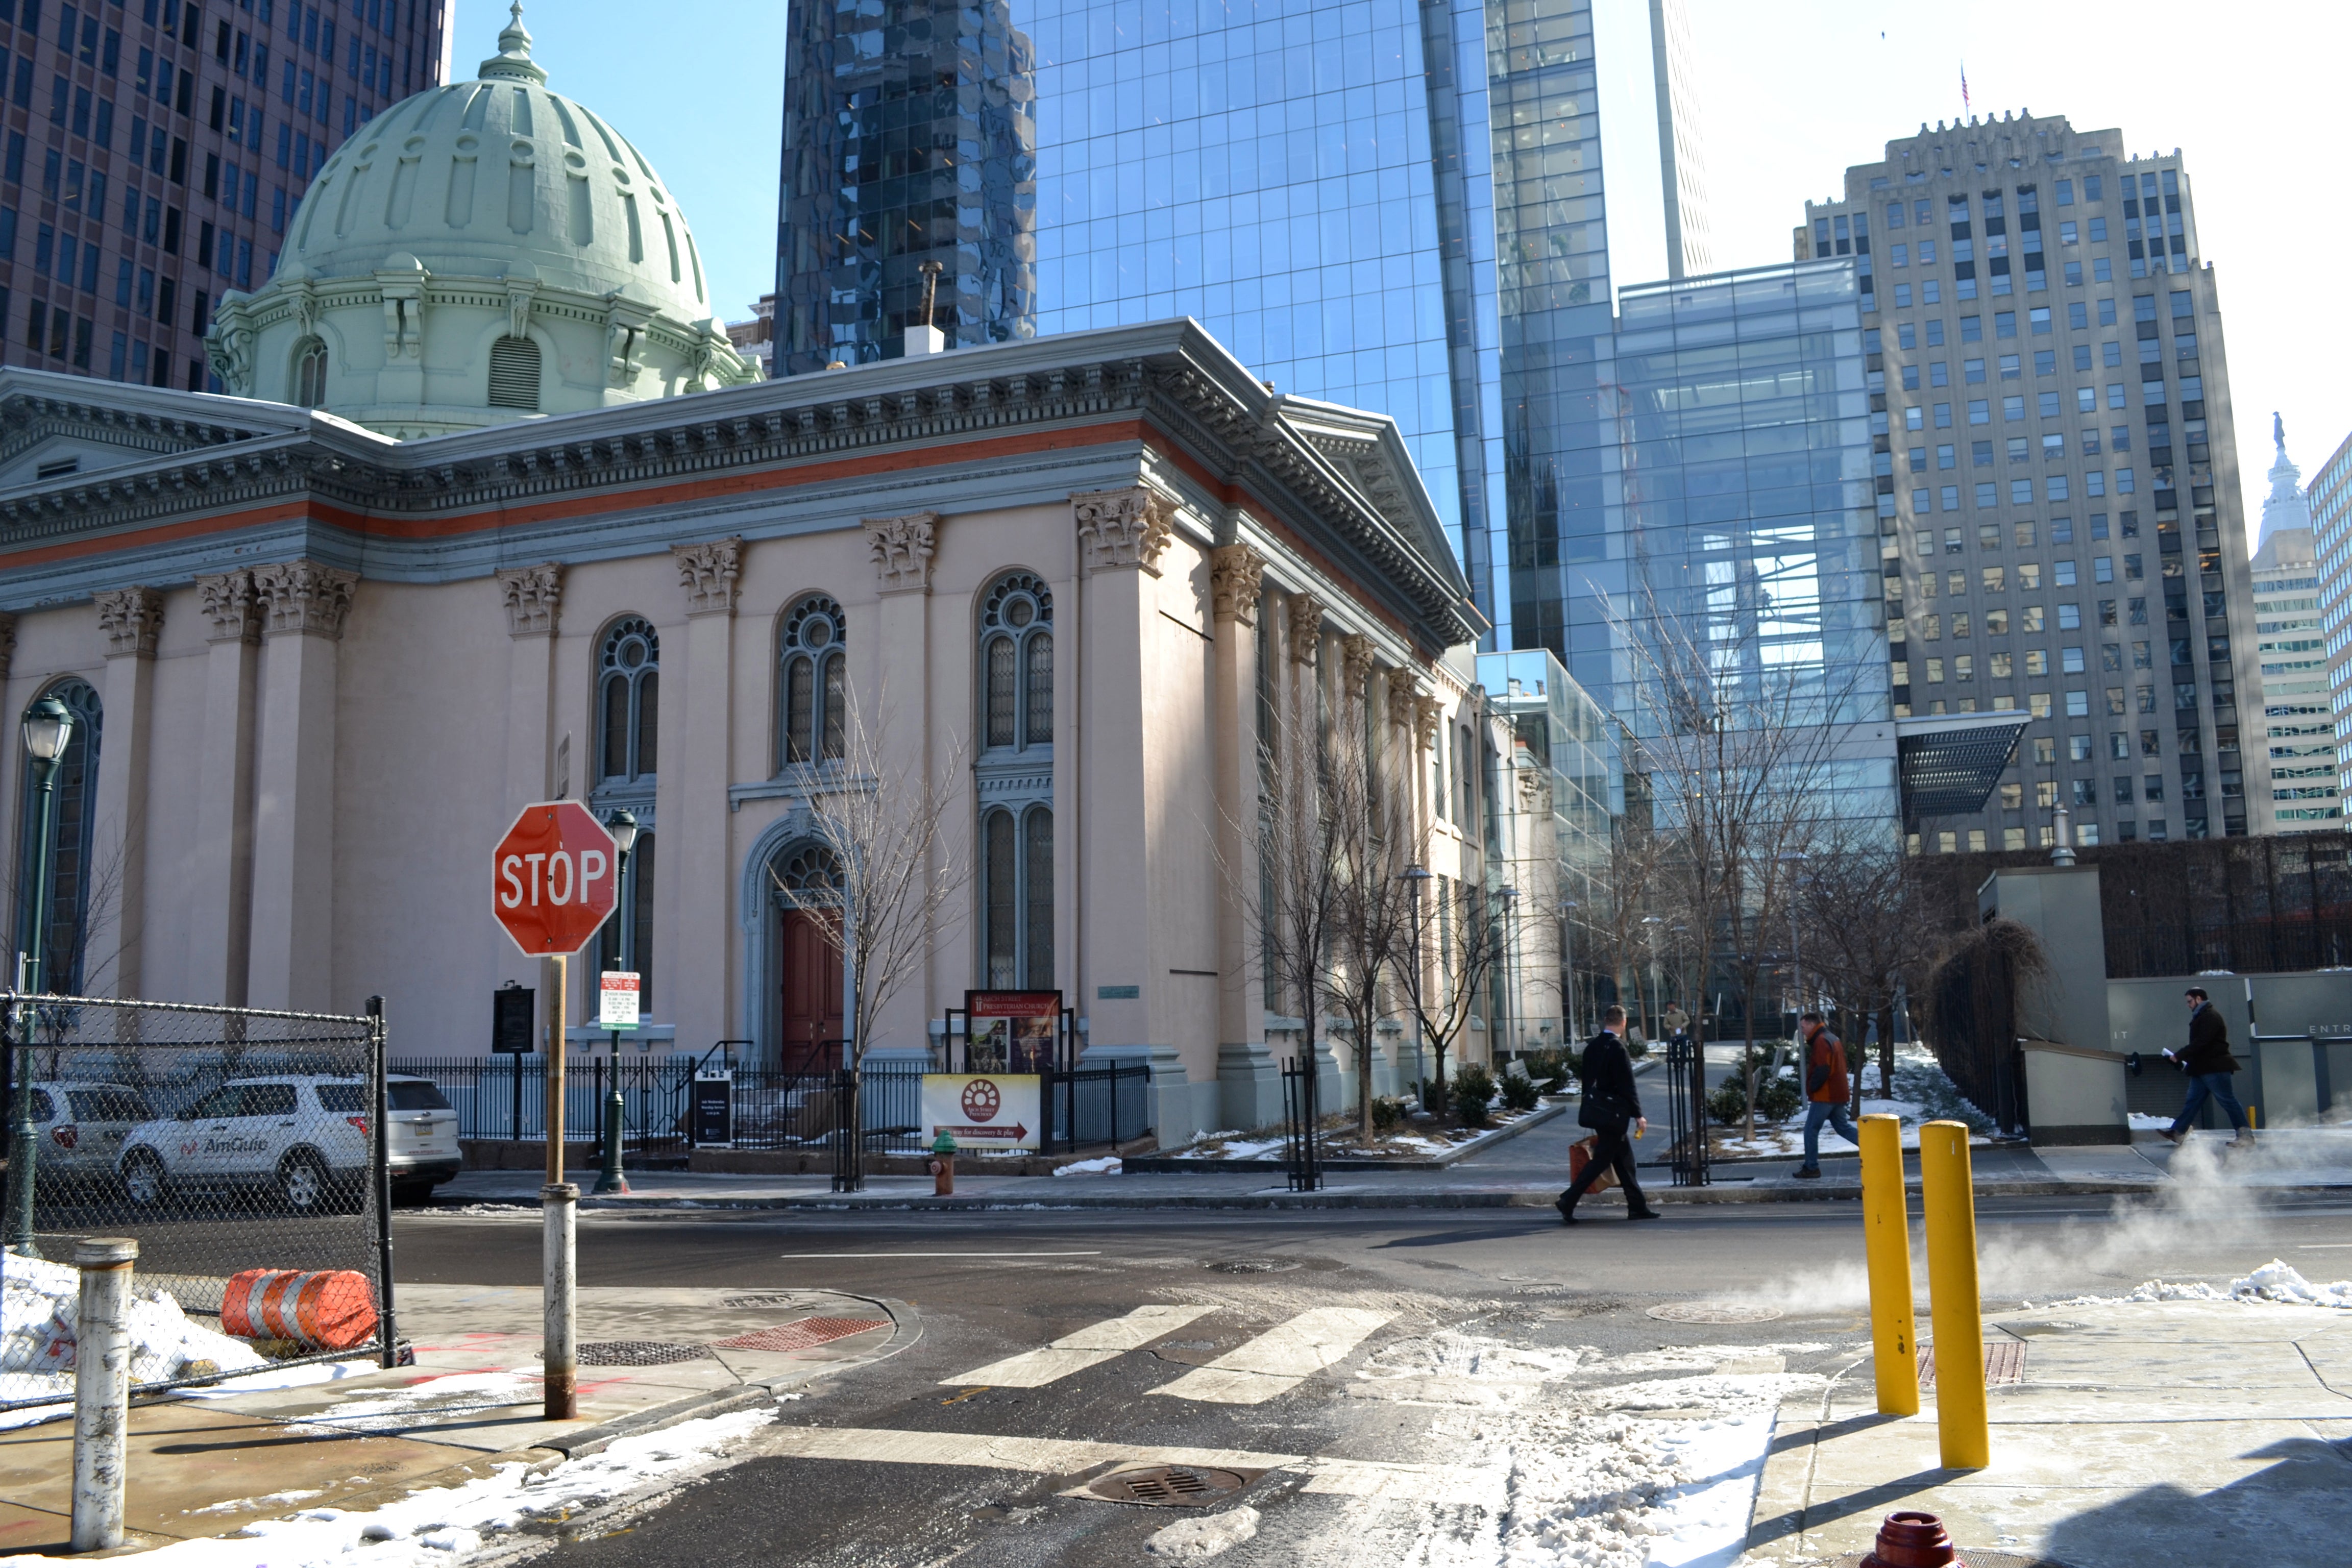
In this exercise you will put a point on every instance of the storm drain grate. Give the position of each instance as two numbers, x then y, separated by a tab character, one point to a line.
1169	1486
1714	1312
799	1336
638	1352
2004	1362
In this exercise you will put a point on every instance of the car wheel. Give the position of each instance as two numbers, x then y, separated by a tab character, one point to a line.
143	1182
302	1183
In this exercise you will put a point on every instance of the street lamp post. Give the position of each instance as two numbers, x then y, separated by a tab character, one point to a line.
1650	924
1795	954
1415	877
47	730
622	827
1567	907
1509	896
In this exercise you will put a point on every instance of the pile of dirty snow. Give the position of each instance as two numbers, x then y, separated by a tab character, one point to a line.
1108	1165
40	1303
2273	1282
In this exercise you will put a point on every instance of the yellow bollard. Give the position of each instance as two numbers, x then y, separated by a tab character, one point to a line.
1947	1198
1886	1230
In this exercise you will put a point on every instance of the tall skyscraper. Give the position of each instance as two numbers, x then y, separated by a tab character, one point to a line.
909	139
2330	500
155	152
2300	775
2056	472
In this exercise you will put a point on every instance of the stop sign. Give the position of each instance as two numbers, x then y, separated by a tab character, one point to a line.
556	876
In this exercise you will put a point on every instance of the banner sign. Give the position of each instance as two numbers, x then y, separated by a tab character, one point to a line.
983	1110
619	996
711	1113
1011	1031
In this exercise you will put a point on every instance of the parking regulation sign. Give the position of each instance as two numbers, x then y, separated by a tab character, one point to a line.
618	993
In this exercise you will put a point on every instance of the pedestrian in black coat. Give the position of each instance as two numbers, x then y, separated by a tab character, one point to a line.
1611	1108
2209	1064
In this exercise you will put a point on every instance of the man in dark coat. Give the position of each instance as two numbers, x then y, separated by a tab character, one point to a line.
1612	1110
2209	1064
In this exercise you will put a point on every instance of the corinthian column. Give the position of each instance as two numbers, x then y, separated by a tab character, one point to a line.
220	932
133	620
303	606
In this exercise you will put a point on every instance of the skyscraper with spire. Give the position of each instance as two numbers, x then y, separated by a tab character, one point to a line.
2329	500
2304	788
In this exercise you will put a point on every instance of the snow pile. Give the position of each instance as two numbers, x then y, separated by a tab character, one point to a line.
1108	1166
2273	1282
430	1527
1194	1538
39	1304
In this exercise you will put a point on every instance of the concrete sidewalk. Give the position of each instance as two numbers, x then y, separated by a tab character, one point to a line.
2215	1433
1527	1170
207	1464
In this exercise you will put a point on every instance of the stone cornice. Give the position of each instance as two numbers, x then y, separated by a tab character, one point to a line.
534	596
902	548
133	620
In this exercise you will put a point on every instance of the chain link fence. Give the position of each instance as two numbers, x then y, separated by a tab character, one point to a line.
245	1150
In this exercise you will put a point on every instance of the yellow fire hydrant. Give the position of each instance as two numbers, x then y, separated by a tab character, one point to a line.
943	1149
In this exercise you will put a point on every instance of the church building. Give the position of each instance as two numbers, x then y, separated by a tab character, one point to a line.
492	513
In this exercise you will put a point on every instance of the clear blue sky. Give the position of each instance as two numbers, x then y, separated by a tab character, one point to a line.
1790	96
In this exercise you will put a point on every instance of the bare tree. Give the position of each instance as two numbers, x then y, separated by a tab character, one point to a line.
1455	945
898	880
1866	930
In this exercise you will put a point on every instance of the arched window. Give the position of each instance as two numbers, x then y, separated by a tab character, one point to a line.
628	699
809	879
814	677
514	374
1017	865
73	883
309	373
1016	639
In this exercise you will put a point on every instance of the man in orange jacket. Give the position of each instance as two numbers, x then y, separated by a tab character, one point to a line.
1826	1090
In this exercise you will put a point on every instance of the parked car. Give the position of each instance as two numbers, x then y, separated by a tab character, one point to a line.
81	1127
424	1142
306	1138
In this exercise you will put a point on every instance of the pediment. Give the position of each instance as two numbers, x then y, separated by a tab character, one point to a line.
56	427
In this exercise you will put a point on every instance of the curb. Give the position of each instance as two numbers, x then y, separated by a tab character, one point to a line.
1170	1166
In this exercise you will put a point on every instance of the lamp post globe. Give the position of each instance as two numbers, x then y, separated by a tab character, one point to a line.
622	823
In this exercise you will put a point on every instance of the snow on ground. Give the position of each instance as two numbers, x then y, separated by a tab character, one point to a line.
41	1302
1922	1093
444	1525
1339	1139
2273	1282
2141	1121
398	1409
1108	1166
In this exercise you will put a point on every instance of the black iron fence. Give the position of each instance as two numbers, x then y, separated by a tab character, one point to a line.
1302	1124
501	1098
1686	1110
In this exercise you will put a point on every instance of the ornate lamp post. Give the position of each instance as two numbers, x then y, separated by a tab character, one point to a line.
1567	907
1415	877
1509	896
48	729
622	826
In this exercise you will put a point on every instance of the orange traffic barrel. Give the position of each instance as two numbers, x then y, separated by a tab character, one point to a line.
327	1308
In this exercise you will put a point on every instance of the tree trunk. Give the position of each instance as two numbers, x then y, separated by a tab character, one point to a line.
1364	1048
1886	1051
1748	1059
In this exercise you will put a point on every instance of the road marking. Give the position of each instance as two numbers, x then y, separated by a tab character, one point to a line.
1278	1360
1057	1457
2322	1245
1096	1254
1091	1346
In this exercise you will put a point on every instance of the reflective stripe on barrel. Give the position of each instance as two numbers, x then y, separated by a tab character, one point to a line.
328	1309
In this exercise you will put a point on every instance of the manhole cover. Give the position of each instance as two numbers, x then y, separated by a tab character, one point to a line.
775	1298
1714	1312
638	1352
1169	1486
799	1336
1248	1266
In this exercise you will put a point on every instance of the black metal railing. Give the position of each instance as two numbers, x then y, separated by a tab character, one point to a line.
1686	1110
1302	1125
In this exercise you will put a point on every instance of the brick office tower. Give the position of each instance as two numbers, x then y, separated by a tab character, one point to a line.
155	151
2057	475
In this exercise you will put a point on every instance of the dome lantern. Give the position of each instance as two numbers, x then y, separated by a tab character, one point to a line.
481	252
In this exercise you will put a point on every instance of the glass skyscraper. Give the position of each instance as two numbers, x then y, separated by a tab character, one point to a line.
910	137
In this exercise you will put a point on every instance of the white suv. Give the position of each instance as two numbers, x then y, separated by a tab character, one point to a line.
306	1138
423	1142
81	1128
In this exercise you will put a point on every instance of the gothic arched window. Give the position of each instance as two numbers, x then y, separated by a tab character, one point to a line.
73	882
1017	920
628	702
1016	644
309	373
814	682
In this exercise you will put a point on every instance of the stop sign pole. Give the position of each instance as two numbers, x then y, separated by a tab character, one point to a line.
555	879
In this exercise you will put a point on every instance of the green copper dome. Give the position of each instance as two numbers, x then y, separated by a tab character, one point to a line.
480	252
477	176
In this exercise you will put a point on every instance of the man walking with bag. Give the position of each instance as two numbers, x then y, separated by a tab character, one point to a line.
1827	1087
1612	1110
2209	1064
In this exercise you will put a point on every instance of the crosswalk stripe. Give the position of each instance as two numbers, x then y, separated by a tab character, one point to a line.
1091	1346
1278	1360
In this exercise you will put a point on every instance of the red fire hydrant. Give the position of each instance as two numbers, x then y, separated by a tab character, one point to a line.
1912	1540
944	1164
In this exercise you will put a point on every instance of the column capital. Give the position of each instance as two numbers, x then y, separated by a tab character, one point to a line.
1236	577
304	597
1303	613
7	643
707	574
534	599
1428	713
231	606
133	619
1405	701
1122	529
902	548
1356	663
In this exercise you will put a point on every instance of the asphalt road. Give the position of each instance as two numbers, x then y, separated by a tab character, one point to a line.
916	1461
